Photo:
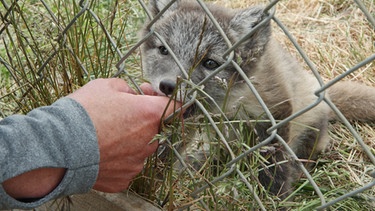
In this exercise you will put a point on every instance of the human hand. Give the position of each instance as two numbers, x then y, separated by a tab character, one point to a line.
125	124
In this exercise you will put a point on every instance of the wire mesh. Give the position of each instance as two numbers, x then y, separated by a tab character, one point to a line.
213	190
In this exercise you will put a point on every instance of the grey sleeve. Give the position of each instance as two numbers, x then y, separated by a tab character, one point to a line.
61	135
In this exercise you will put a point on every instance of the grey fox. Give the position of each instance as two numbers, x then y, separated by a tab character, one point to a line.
282	84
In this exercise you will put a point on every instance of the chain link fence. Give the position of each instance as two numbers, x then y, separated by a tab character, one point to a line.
66	45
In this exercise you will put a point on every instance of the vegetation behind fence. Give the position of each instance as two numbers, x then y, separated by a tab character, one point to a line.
50	48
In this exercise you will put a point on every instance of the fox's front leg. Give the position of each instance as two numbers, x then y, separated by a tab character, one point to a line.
306	136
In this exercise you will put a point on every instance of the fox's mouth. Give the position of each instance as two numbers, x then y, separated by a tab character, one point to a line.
170	89
189	107
190	111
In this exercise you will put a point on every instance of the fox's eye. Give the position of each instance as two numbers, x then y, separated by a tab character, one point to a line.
210	64
163	50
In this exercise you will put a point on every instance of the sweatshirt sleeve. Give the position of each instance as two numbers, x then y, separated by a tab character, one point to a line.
60	135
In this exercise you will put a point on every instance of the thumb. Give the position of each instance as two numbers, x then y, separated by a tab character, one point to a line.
171	106
148	89
164	106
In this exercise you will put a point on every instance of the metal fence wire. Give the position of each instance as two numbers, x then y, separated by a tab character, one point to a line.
225	174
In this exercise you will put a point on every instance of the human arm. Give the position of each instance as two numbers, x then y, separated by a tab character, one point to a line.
48	137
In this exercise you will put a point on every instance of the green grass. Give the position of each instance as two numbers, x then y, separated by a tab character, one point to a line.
47	51
39	65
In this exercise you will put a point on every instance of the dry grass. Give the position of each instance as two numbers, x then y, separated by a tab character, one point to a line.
334	34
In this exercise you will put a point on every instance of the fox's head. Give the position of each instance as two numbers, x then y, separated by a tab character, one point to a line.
189	36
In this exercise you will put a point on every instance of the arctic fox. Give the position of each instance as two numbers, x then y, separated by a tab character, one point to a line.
283	85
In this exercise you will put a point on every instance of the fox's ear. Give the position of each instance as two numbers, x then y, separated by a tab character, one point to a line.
156	6
244	21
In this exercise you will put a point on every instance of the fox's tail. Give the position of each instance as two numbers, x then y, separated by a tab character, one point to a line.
356	101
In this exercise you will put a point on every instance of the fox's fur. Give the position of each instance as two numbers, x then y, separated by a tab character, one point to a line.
283	85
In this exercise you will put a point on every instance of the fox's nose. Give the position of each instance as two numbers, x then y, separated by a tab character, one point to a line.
167	86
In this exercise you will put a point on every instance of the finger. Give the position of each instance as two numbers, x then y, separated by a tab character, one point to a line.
151	148
161	104
172	107
148	90
120	85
